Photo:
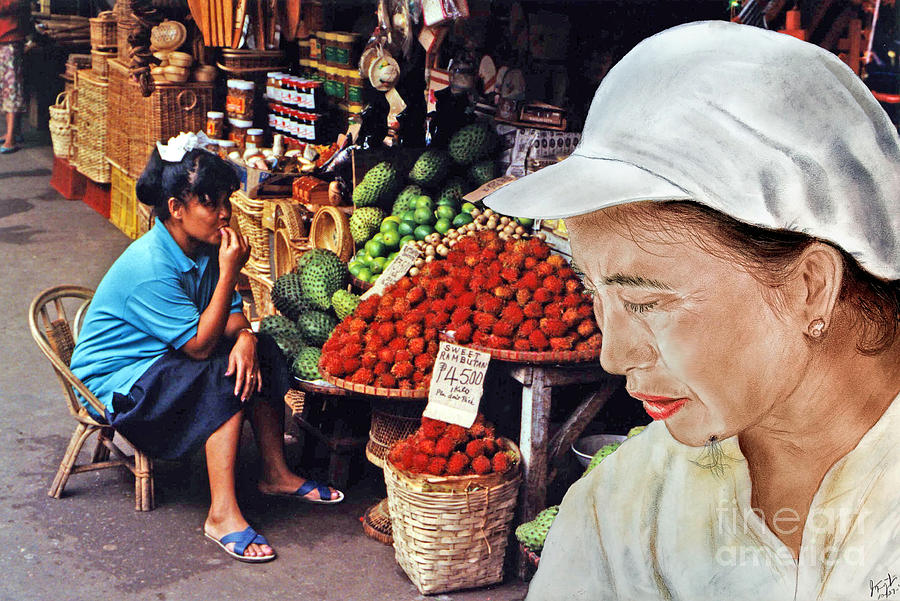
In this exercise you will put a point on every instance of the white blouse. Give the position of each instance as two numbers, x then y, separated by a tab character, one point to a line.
650	523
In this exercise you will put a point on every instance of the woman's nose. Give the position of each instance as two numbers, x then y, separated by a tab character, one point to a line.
627	344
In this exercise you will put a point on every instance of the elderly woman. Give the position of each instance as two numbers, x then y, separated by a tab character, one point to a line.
734	208
168	351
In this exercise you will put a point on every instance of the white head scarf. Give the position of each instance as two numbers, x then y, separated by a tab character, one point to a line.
759	125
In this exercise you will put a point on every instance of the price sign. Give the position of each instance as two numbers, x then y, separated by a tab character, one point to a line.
457	383
398	268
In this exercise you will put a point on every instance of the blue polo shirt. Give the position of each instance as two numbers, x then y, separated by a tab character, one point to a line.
148	303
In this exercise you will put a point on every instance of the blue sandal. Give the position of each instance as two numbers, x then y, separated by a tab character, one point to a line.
306	488
9	149
242	540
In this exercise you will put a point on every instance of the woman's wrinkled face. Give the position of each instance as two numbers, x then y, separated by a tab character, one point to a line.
699	344
203	219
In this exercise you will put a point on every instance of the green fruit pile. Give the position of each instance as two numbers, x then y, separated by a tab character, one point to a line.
604	452
389	214
310	301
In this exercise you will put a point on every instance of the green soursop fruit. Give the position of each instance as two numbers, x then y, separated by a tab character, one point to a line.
482	172
453	191
635	431
321	275
306	363
344	303
316	327
406	199
430	169
288	298
533	534
364	195
603	453
285	333
472	143
384	181
364	223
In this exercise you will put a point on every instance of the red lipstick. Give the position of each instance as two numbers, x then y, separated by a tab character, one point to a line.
660	407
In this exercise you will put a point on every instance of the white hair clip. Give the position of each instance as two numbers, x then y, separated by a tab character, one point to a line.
175	150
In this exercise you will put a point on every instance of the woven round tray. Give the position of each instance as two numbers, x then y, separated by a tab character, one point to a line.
377	523
391	393
539	357
318	388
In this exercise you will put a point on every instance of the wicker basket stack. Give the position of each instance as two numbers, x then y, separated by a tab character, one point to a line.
450	532
90	142
61	126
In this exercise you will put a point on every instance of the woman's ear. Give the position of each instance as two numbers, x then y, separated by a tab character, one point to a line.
818	280
175	207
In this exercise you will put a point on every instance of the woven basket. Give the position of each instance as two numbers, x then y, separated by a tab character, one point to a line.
450	532
61	126
290	239
261	289
103	31
124	27
99	63
90	142
249	61
296	400
390	425
249	213
123	201
331	230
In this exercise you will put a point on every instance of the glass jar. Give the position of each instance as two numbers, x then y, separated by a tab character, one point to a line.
226	147
304	48
239	101
273	85
238	133
340	84
341	44
312	128
215	124
355	86
254	136
316	44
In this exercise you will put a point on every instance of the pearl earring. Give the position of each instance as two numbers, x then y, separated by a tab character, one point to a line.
817	328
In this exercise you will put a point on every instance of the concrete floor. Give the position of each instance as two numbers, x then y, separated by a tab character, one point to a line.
91	544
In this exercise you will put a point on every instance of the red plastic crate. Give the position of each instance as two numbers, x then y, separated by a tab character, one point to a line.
66	180
97	197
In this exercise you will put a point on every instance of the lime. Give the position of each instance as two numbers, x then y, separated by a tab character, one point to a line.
375	248
354	268
379	237
447	212
389	226
406	227
364	274
406	239
424	216
379	263
467	207
422	231
391	239
525	221
392	256
425	202
462	219
408	215
393	218
442	226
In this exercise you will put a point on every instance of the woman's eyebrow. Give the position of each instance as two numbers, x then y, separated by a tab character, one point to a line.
635	281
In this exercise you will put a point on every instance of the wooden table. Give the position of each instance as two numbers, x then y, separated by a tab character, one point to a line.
542	455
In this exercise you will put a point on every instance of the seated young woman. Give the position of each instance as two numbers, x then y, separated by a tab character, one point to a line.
168	351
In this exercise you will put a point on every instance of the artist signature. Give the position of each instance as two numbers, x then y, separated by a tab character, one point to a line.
884	588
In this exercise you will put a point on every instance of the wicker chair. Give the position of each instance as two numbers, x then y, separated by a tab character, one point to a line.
57	340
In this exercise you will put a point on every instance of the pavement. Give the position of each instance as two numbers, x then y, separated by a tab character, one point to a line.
91	544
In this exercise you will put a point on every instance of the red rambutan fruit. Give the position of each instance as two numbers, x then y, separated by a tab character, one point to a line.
523	296
538	341
357	325
415	295
543	296
498	342
553	327
463	333
433	428
530	262
474	448
381	368
419	463
553	310
384	314
509	274
402	370
503	328
586	328
412	330
481	465
503	292
553	284
404	284
437	466
556	261
466	300
403	355
480	338
533	310
369	359
351	350
350	365
529	281
573	286
456	433
386	355
562	343
362	376
417	346
511	314
500	463
544	269
483	321
459	317
444	446
490	445
423	361
418	379
457	463
521	344
430	334
386	380
426	446
528	326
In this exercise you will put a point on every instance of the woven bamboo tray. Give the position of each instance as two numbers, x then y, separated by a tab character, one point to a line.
535	357
377	523
390	393
249	61
91	106
359	284
450	532
317	388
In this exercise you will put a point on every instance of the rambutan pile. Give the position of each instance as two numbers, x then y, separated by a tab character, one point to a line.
441	449
517	296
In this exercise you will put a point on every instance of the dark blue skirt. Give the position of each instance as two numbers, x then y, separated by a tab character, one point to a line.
178	402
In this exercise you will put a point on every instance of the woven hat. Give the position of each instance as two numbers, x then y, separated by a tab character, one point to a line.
761	126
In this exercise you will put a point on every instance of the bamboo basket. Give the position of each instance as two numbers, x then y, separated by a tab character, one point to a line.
123	202
249	61
390	426
124	27
261	289
103	31
290	239
91	104
331	230
249	213
99	63
450	532
61	126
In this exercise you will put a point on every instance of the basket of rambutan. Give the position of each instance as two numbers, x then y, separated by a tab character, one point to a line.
452	496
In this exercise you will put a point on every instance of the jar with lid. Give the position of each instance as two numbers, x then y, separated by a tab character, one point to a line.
355	86
239	101
304	48
273	85
312	128
341	45
238	133
215	124
254	136
317	71
340	84
226	147
316	44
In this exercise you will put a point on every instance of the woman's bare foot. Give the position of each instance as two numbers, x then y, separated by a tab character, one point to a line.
287	484
218	528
